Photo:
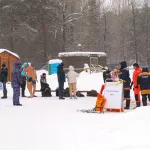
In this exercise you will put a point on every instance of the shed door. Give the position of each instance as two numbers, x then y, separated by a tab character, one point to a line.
93	61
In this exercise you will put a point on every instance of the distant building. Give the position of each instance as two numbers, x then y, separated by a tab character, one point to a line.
9	58
78	59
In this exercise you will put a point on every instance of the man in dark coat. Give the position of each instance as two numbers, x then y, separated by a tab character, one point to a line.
61	79
125	76
4	74
106	74
16	83
144	83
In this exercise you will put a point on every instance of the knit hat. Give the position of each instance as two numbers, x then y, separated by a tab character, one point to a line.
3	65
62	64
135	65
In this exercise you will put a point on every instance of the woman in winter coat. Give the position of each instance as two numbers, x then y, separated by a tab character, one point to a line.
72	80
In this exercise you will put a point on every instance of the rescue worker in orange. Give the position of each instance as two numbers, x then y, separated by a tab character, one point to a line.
144	83
136	87
125	76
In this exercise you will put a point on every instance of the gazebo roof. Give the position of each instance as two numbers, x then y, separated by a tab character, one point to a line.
68	54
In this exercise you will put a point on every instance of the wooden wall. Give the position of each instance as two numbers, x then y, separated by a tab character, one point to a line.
79	61
9	60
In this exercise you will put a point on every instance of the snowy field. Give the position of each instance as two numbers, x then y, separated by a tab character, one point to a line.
53	124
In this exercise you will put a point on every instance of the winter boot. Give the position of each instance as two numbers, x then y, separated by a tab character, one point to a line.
5	95
144	102
23	95
62	98
127	104
17	104
138	104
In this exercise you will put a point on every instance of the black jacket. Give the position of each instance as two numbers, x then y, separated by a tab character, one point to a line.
106	75
124	75
144	82
61	74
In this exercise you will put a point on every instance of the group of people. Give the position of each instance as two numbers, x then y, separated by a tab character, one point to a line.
140	82
22	75
25	74
72	81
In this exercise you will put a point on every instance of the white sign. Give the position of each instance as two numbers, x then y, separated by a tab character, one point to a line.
113	93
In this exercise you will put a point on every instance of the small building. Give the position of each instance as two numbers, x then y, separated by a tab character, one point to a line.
78	59
9	58
52	66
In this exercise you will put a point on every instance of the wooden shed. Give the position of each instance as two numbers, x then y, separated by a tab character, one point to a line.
9	58
78	59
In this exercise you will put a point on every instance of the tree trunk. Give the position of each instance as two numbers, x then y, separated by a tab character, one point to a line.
64	27
134	32
11	30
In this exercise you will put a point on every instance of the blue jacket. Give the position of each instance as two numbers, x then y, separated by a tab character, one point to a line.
125	75
16	76
61	74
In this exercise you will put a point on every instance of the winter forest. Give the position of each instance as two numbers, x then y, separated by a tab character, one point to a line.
38	30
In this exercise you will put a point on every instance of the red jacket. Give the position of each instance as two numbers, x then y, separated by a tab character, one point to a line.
136	74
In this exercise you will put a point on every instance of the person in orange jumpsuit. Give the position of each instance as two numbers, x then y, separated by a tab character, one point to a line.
136	87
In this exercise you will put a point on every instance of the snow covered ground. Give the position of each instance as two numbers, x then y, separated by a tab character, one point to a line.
52	124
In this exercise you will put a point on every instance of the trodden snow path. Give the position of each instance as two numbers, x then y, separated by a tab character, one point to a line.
53	124
49	123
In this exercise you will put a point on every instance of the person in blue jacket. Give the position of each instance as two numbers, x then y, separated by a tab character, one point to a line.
16	83
61	79
4	74
23	79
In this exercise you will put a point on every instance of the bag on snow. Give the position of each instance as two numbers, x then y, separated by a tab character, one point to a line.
79	94
100	103
99	108
92	93
57	92
66	92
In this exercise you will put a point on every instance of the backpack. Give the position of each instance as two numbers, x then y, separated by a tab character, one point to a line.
66	92
79	94
92	93
100	103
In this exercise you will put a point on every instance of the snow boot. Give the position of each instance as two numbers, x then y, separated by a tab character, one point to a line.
138	104
23	95
17	104
5	95
144	102
62	98
127	104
